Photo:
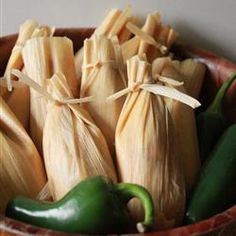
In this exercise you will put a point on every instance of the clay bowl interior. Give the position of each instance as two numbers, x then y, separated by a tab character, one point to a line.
218	69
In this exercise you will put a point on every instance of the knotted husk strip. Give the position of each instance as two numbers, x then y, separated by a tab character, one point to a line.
21	168
103	75
113	25
153	39
74	147
184	120
43	57
18	99
145	149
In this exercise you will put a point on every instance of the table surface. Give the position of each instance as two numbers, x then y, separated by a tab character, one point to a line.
206	23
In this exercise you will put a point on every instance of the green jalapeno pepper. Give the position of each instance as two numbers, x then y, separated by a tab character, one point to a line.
211	123
94	206
216	190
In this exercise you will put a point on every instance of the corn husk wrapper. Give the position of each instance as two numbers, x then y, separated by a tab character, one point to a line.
18	99
135	45
21	168
153	39
145	149
103	75
74	147
43	57
113	25
189	72
183	118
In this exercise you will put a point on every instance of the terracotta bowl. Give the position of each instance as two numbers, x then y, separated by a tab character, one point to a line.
218	70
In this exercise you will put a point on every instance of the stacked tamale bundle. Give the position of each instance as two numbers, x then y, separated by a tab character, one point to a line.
191	74
153	39
21	168
73	146
103	75
146	149
44	56
86	118
18	103
114	24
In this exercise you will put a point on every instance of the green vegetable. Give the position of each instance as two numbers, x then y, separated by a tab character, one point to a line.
216	190
212	123
94	206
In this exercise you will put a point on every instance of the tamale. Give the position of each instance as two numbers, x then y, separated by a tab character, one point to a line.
113	25
103	75
183	118
44	56
146	149
73	146
166	36
21	168
19	98
194	73
190	72
135	45
153	39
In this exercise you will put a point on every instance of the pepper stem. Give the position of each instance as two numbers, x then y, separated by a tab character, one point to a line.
128	191
216	105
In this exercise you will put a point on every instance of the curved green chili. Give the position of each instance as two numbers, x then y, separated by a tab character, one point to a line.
94	206
211	123
216	189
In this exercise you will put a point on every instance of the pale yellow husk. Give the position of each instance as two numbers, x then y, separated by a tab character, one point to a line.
194	73
113	25
136	45
21	168
146	149
19	98
74	147
183	117
44	56
153	39
103	75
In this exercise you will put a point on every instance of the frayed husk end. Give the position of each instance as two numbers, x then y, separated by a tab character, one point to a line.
153	39
113	25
